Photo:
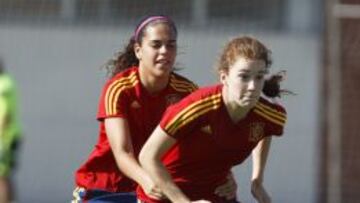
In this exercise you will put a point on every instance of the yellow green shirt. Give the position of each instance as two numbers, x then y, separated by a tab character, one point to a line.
9	126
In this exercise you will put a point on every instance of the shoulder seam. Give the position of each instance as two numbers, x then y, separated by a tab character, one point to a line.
114	90
182	85
270	113
193	111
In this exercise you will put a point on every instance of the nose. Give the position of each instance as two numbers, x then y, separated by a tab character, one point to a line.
163	49
252	85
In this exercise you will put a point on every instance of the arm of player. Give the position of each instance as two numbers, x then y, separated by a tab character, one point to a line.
118	133
150	159
3	115
259	157
228	189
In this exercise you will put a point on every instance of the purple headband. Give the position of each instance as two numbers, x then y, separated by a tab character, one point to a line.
147	21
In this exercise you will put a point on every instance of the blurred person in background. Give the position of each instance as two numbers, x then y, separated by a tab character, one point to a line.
142	84
200	138
10	135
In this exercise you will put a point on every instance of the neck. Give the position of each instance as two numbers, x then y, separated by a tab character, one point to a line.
153	84
235	111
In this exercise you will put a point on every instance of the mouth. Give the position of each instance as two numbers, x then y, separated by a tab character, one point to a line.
163	61
250	97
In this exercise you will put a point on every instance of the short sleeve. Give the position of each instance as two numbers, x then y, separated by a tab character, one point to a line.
273	114
5	95
112	101
277	122
190	113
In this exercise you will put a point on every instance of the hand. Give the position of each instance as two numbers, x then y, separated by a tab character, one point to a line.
259	192
228	189
152	190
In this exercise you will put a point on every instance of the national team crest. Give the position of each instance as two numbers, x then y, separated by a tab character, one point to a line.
172	99
256	131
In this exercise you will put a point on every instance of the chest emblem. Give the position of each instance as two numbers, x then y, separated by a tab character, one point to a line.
172	99
206	129
135	104
256	131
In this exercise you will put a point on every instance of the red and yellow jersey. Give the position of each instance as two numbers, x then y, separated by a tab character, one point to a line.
209	143
124	96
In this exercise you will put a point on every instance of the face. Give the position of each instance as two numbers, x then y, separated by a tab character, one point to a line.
157	51
244	81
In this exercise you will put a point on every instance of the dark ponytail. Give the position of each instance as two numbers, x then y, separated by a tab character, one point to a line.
272	87
122	60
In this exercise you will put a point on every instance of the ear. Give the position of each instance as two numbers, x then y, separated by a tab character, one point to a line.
137	51
223	77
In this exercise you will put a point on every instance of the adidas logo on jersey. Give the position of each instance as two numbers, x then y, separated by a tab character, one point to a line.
206	129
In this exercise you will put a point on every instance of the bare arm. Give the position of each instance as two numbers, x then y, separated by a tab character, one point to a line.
118	133
150	158
260	154
3	115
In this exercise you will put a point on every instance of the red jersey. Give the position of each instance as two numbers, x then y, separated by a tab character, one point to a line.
124	96
209	143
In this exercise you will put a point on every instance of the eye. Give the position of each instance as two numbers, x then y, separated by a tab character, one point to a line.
155	45
244	76
171	45
260	77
